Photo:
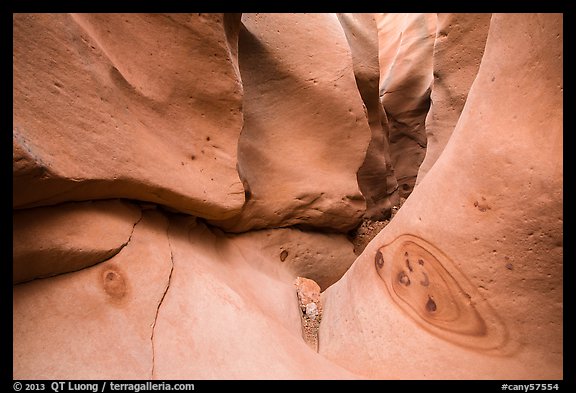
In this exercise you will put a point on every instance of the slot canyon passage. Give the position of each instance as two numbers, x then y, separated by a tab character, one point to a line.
288	196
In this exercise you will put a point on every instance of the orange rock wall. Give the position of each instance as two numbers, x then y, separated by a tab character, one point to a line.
174	173
458	50
406	45
469	273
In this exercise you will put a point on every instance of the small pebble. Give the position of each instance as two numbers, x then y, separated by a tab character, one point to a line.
312	310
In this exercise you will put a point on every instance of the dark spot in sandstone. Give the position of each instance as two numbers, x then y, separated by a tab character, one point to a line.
426	281
430	305
408	265
403	278
379	260
114	284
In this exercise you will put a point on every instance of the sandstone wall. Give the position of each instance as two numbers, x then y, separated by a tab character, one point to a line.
406	45
305	133
469	273
173	174
376	176
458	49
145	107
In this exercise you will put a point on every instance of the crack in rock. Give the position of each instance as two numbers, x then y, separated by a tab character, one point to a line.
159	305
114	252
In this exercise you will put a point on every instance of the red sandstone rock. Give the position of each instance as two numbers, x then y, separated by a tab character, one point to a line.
133	106
219	314
468	275
406	47
96	323
225	317
460	285
69	237
308	291
458	50
305	133
376	176
323	257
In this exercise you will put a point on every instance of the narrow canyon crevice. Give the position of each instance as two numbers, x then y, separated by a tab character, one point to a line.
310	310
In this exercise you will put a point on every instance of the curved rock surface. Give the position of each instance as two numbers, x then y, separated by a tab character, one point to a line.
376	176
225	316
406	67
179	301
458	50
128	155
69	237
469	272
305	133
111	106
323	257
96	323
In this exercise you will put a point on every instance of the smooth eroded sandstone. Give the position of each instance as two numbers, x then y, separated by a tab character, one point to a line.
305	133
376	177
226	317
96	323
68	237
466	281
323	257
176	260
138	106
458	49
406	47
